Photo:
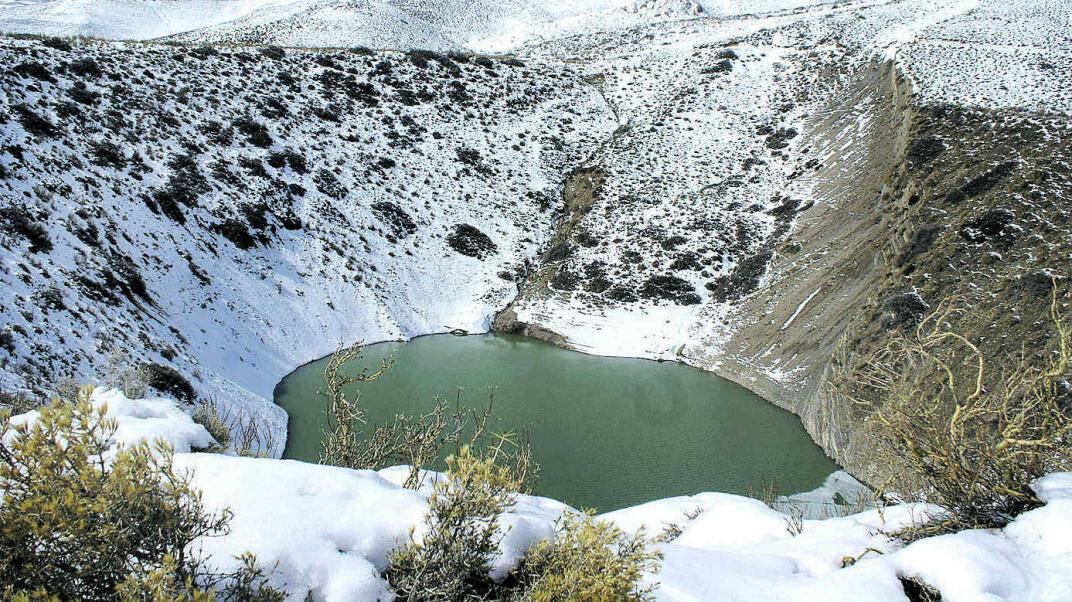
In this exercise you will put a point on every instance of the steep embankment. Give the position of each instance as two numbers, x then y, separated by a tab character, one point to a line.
916	204
827	269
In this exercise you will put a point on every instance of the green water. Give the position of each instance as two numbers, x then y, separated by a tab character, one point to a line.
607	432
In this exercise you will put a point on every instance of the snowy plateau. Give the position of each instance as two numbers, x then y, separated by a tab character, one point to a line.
233	188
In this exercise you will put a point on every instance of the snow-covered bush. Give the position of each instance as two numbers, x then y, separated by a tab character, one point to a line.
83	519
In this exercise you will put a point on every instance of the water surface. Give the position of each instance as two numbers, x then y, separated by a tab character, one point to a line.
607	432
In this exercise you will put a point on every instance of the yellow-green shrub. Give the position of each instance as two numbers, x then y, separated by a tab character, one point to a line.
76	523
590	561
452	561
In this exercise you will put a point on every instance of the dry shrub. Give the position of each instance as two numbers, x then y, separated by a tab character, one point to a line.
416	441
119	372
590	561
208	416
974	435
234	428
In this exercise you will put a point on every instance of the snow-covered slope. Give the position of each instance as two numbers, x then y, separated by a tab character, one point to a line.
237	214
432	24
128	19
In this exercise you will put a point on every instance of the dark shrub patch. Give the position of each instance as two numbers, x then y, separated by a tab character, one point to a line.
924	150
558	251
922	240
168	381
35	70
68	110
470	241
786	209
236	232
184	187
34	123
203	52
7	341
83	95
904	309
327	183
727	54
1038	283
672	242
723	66
107	154
780	138
217	133
253	167
256	133
686	261
743	280
256	215
982	183
995	224
290	221
57	44
397	221
273	52
85	68
166	201
918	591
670	288
565	280
124	276
327	114
18	220
288	157
623	294
50	298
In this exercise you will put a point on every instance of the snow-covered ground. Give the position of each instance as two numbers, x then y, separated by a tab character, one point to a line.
483	25
328	531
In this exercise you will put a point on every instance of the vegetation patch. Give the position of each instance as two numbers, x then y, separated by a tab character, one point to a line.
471	242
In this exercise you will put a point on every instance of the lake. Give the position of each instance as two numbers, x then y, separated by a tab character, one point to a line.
606	432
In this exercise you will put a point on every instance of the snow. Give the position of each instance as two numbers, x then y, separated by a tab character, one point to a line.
624	86
139	420
800	308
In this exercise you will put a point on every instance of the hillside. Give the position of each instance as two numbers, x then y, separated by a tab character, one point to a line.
749	193
236	213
